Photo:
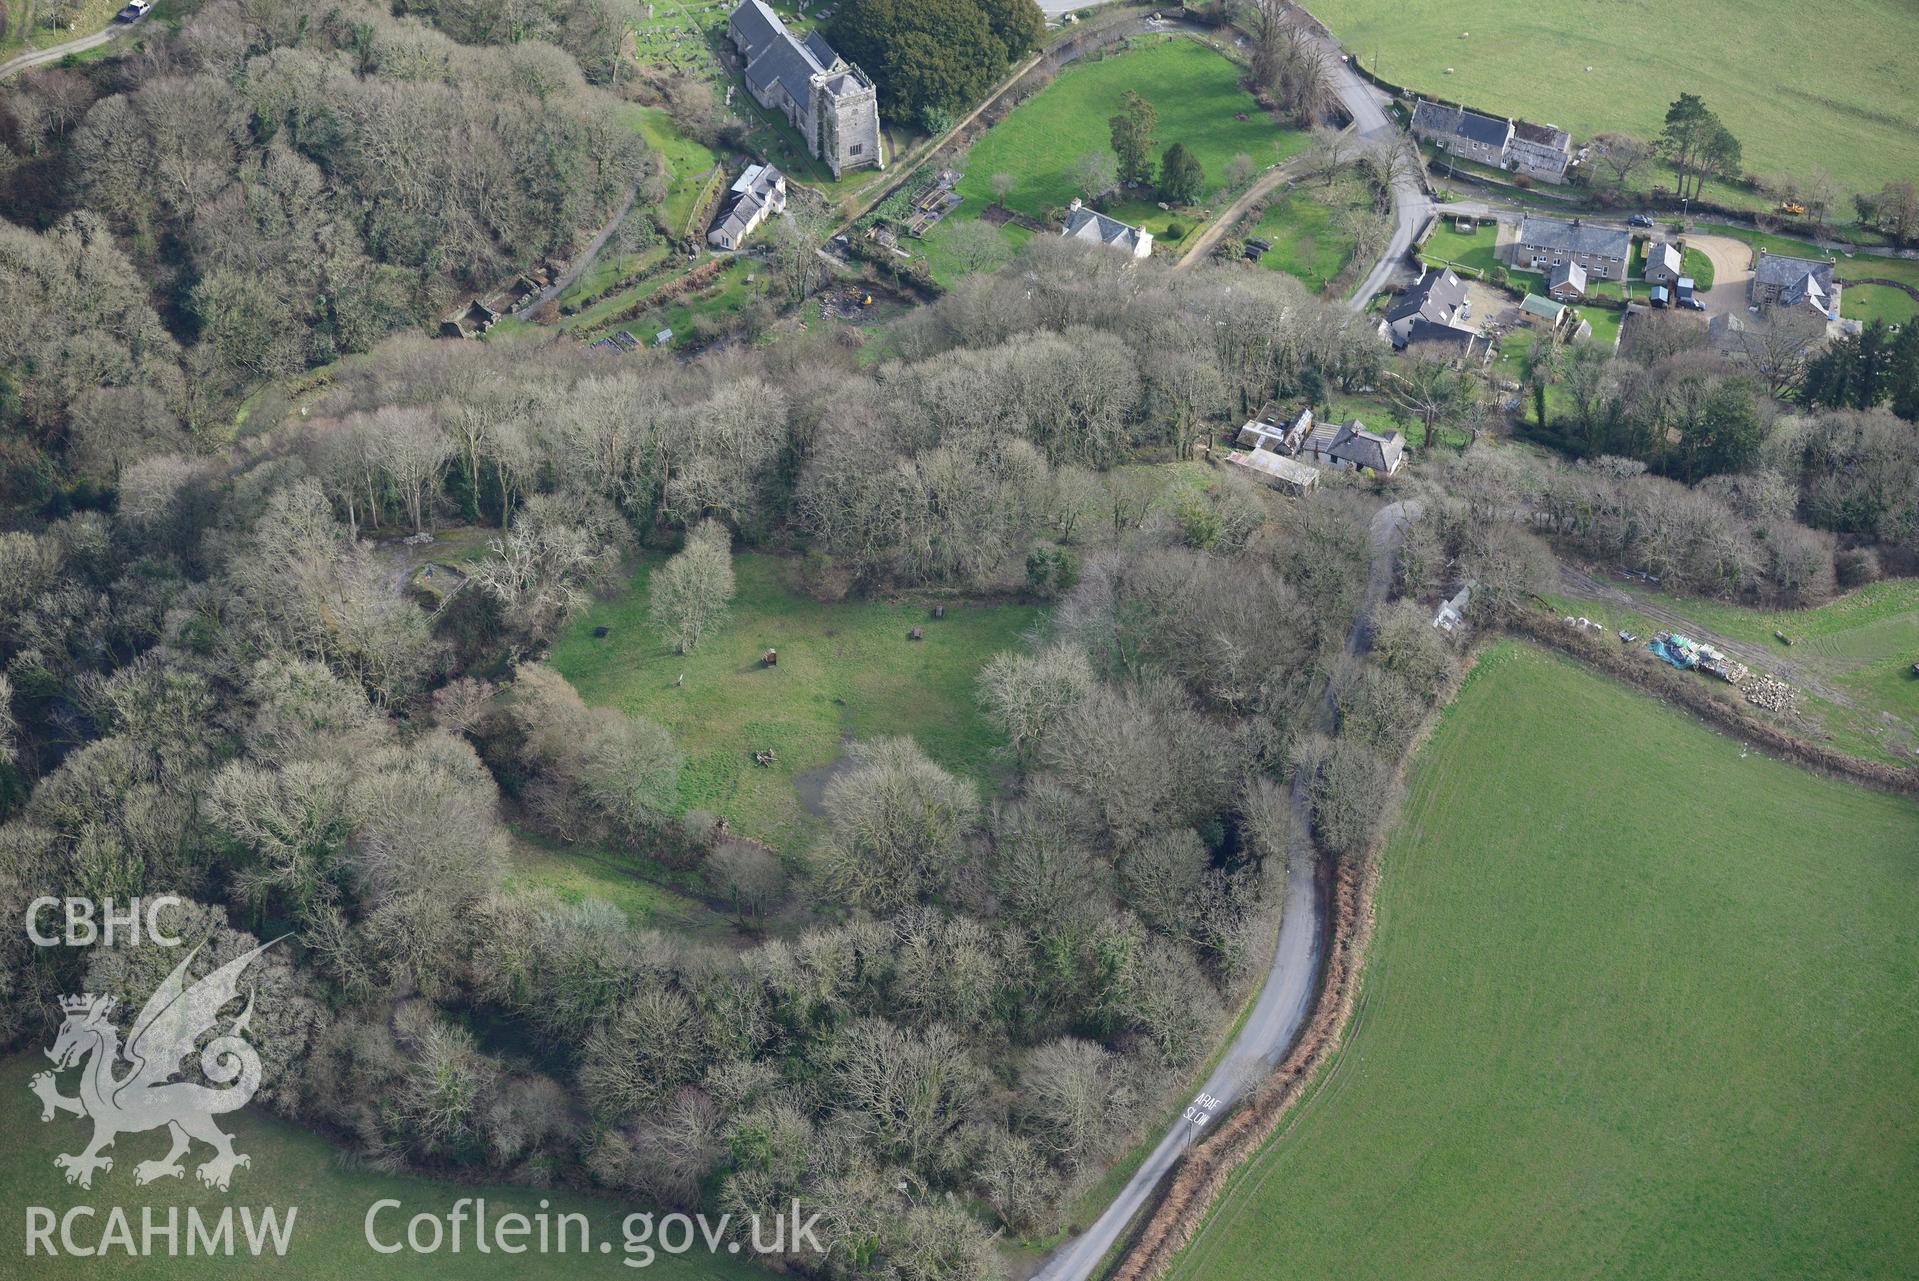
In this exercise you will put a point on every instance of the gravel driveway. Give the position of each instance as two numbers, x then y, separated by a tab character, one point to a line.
1730	271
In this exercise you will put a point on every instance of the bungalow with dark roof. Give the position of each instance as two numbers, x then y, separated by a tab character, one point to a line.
1782	281
1449	344
1545	243
1351	447
1094	228
1463	133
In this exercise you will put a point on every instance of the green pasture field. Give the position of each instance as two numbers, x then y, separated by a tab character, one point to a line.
1197	94
1864	644
291	1167
845	670
1839	101
1638	1003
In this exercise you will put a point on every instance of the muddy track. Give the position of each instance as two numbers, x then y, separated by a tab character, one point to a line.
1766	658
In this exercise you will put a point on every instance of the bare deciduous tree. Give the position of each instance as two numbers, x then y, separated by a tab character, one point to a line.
688	596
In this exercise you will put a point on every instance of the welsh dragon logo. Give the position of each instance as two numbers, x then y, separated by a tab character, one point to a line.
146	1097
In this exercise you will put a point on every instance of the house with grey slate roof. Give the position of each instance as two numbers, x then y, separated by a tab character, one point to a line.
1545	243
757	195
1438	297
1463	133
1662	264
1094	228
832	104
1782	281
1351	447
1566	282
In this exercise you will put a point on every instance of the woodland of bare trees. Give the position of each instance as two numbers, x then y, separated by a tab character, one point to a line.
219	687
268	189
943	1019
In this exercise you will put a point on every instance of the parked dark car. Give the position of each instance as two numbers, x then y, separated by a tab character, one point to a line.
134	11
1639	220
1693	303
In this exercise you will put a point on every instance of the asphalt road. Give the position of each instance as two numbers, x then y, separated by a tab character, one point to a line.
1411	206
1291	984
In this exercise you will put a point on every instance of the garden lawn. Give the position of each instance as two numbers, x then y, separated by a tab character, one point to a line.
1639	1003
1307	240
1863	643
844	669
1697	267
1474	250
1867	303
1196	92
1839	103
291	1167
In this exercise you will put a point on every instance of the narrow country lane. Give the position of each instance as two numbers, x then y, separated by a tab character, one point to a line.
1292	982
53	53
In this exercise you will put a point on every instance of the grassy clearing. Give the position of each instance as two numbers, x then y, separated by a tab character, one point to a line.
292	1167
1198	96
1863	643
1307	240
1639	1004
643	891
845	669
1835	104
687	164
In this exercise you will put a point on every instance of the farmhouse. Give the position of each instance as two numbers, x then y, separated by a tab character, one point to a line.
1463	133
832	104
1543	243
1541	151
1096	228
1437	298
1566	282
1780	281
757	194
1662	264
1350	447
